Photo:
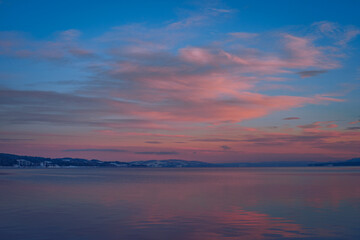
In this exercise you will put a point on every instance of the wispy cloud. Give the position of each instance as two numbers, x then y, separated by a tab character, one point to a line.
214	140
319	124
153	142
244	35
311	73
96	150
15	139
291	118
342	35
354	122
157	153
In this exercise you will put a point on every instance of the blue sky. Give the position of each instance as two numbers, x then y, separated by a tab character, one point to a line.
42	18
189	75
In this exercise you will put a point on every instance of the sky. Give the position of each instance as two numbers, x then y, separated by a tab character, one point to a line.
214	81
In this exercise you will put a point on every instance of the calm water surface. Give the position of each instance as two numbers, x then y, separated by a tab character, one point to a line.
191	204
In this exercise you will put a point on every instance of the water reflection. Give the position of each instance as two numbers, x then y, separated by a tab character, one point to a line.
312	203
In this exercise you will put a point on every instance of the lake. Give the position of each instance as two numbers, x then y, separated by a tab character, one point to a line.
191	203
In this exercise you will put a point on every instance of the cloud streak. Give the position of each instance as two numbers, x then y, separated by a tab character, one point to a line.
291	118
96	150
157	153
311	73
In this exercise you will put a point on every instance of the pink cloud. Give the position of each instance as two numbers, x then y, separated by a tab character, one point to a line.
143	83
291	118
197	55
300	53
354	122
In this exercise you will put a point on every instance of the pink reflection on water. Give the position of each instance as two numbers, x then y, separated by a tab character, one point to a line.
193	204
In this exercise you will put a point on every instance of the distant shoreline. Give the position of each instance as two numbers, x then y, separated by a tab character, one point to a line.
23	162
